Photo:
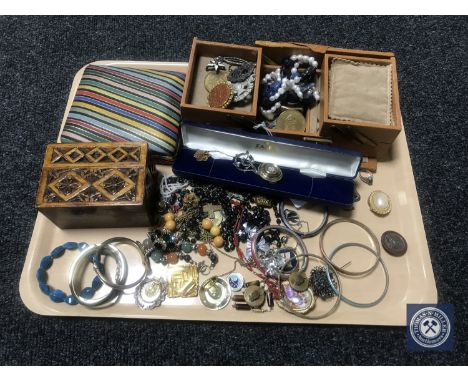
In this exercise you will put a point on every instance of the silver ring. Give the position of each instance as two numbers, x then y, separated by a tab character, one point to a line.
304	235
369	178
141	252
288	231
387	280
78	267
338	292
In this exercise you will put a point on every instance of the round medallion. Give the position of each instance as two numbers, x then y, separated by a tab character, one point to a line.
236	281
212	79
301	302
394	243
291	120
270	172
151	293
215	293
220	96
379	203
254	296
299	281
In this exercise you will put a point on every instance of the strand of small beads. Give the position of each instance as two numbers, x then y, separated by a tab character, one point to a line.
58	295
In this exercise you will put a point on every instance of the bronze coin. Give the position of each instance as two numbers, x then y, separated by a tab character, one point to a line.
220	96
394	243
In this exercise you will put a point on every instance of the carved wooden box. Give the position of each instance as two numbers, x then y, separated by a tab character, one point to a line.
90	185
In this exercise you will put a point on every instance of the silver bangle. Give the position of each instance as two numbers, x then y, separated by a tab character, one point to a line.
387	280
141	252
304	235
337	291
367	230
77	269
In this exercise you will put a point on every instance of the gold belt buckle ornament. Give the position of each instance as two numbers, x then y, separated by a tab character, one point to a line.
183	281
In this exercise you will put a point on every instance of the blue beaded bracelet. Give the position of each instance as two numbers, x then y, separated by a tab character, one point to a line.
57	295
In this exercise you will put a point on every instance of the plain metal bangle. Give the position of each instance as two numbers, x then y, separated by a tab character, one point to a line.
144	259
304	235
337	291
77	269
288	231
387	279
365	228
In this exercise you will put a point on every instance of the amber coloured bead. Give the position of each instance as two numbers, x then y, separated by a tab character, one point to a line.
172	258
201	249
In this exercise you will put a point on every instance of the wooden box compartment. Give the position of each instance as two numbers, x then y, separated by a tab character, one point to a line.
273	56
372	139
97	185
194	105
376	138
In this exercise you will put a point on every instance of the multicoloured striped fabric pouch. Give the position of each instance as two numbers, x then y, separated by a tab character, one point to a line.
126	104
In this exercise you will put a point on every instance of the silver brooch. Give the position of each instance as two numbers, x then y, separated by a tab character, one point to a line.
151	293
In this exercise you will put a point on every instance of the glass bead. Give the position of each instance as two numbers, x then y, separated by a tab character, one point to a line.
156	256
147	244
44	288
57	295
70	245
57	252
41	275
87	293
97	283
201	249
71	300
186	247
172	258
46	262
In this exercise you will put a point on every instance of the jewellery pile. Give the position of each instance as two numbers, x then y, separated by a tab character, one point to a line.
229	80
209	221
289	85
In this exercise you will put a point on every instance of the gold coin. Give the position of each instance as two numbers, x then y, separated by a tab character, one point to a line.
291	120
212	79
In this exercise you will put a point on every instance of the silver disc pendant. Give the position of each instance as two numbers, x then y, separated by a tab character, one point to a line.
270	172
151	293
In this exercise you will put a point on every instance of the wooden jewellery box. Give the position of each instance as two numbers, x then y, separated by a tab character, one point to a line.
194	106
97	185
352	87
373	139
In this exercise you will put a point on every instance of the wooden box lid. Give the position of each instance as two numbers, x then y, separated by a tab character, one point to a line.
93	174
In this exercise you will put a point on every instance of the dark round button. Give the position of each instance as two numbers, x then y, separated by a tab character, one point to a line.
394	243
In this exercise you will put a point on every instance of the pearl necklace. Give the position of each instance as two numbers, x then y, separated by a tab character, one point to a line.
289	84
